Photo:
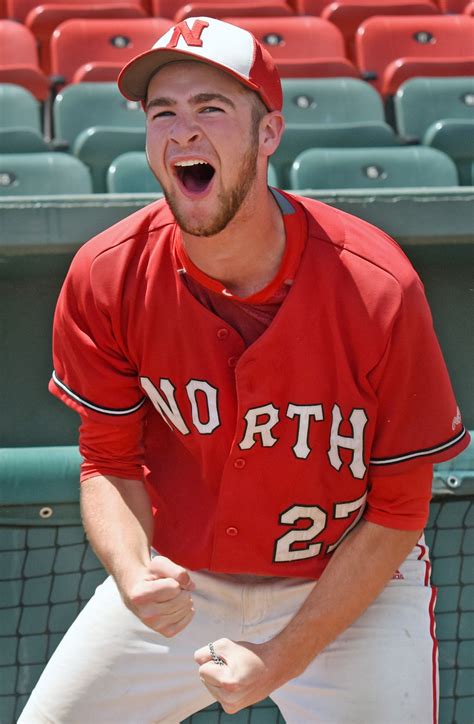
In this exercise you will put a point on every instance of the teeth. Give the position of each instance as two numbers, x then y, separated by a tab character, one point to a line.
194	162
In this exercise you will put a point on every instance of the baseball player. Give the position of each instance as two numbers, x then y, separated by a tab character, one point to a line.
262	398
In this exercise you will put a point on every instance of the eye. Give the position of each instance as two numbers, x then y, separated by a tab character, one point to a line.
211	109
162	114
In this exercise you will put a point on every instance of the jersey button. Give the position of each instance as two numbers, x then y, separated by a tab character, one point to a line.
222	333
239	463
232	361
232	531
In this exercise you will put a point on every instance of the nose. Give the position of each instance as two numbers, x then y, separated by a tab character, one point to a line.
184	131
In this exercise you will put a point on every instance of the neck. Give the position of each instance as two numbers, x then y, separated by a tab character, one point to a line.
247	254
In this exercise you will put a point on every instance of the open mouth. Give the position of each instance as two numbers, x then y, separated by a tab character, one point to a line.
194	175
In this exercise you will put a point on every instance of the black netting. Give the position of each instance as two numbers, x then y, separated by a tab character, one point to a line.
48	572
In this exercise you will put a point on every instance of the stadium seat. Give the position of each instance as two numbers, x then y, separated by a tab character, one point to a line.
422	101
40	174
389	50
174	8
298	138
98	124
131	174
89	50
310	7
42	19
20	121
452	6
455	137
259	8
372	168
19	60
301	46
317	101
329	112
347	15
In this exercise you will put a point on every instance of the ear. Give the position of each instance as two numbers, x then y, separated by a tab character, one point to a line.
272	126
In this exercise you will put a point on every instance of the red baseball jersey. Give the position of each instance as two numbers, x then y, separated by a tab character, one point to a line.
261	458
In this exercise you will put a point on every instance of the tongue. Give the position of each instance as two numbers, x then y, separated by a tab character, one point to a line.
197	178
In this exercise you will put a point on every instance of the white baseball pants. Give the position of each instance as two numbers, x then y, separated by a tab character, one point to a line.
111	669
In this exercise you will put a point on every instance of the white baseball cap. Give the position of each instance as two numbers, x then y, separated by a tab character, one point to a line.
225	46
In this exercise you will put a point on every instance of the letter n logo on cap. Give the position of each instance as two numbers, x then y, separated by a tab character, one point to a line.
191	36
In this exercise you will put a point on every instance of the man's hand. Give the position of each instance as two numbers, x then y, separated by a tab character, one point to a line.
160	596
249	674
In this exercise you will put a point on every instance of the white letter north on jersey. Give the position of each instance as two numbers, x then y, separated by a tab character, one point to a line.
263	429
358	420
210	392
168	408
304	413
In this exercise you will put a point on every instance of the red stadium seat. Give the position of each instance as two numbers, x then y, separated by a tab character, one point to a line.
347	15
169	8
259	8
452	6
86	50
19	9
392	49
310	7
19	59
301	46
42	19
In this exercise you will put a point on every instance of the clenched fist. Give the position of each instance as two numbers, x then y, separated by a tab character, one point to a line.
160	596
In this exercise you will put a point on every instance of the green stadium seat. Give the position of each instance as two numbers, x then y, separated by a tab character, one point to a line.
420	102
298	138
372	168
308	101
131	174
272	175
97	124
38	174
455	138
20	121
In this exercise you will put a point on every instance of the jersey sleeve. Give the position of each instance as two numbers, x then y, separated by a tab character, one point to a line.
418	418
111	449
401	501
92	372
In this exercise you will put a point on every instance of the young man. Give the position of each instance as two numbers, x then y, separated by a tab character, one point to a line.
262	398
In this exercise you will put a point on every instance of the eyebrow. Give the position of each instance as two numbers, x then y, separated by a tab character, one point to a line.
194	100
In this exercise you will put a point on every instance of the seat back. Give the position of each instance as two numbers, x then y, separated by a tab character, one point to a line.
295	37
422	101
131	174
455	137
26	174
19	59
76	43
379	41
298	138
18	108
84	105
244	8
347	15
330	100
19	9
372	168
20	122
17	45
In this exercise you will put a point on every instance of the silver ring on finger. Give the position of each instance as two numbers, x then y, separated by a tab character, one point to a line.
216	659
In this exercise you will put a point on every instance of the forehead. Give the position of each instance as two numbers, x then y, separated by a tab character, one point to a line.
184	77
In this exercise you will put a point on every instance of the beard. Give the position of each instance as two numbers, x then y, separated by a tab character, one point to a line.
229	201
